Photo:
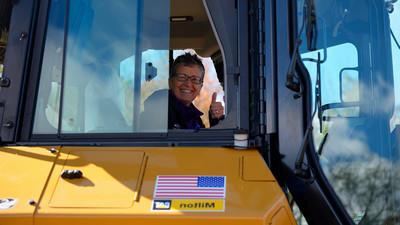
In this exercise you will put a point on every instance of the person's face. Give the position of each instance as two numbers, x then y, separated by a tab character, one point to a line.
186	83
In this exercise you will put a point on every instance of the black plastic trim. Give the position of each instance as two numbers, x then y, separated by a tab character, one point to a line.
271	67
243	62
16	66
294	115
220	137
34	73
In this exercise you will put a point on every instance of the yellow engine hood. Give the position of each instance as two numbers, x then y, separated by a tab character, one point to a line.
23	175
126	185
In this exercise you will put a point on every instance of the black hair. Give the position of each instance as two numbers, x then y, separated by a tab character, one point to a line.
186	59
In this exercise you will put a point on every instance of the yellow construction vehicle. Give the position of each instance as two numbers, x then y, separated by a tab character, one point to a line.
310	92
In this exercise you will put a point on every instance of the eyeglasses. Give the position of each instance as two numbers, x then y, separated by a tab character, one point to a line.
184	77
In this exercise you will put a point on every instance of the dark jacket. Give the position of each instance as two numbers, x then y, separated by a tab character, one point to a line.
179	116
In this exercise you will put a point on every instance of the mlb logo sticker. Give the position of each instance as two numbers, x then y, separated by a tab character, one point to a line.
161	204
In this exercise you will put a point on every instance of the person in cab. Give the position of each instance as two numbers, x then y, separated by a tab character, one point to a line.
185	83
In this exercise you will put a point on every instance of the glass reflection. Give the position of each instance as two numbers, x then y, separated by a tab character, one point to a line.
360	74
92	79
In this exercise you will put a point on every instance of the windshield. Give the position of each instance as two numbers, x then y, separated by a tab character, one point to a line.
357	124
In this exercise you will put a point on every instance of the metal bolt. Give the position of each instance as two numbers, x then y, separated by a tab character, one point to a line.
31	202
4	81
22	36
8	124
53	150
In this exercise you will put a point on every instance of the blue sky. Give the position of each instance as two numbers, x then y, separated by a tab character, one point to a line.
395	24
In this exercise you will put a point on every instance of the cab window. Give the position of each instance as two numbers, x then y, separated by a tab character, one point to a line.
356	103
97	73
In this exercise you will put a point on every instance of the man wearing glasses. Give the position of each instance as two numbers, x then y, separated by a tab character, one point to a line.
185	83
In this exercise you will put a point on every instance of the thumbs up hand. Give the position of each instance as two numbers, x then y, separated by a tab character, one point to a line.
216	108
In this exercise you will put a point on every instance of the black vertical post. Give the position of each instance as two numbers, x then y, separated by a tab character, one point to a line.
138	66
66	23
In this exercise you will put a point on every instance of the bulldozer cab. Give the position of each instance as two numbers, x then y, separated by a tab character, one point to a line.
94	154
310	133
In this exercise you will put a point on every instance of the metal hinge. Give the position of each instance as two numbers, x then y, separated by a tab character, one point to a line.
261	66
4	81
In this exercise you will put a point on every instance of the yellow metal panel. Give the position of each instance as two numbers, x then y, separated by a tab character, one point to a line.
254	169
109	179
23	175
282	217
16	219
246	202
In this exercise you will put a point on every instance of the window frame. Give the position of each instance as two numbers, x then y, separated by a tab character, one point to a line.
217	136
16	63
293	113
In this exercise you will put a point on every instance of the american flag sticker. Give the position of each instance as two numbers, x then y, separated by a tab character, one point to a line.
190	187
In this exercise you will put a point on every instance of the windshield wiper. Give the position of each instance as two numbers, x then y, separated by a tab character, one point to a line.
311	28
318	103
321	146
390	9
293	82
394	38
310	22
